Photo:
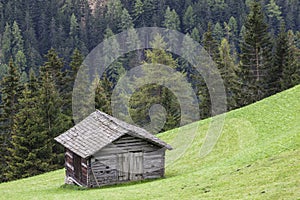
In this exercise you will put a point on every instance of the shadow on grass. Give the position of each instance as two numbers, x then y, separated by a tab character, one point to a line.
117	185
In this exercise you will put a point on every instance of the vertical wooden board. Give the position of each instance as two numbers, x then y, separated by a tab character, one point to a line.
136	166
132	165
126	166
120	166
141	163
123	167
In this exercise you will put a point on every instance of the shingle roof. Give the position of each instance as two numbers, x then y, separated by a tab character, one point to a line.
99	130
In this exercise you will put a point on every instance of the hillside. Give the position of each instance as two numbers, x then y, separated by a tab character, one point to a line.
257	157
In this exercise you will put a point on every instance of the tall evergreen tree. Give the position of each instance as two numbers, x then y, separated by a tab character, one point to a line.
195	35
17	43
33	57
53	120
114	13
10	91
103	95
30	152
229	71
291	70
74	34
54	65
172	20
274	16
71	73
116	69
6	44
209	43
218	32
281	54
189	19
138	13
257	59
126	20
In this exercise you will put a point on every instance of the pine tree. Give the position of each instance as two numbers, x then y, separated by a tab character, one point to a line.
114	13
257	58
53	120
126	20
229	71
116	69
55	66
17	43
71	73
209	43
195	35
20	62
195	78
74	34
218	32
3	71
274	16
138	13
291	69
30	152
103	95
281	56
172	20
81	95
189	19
10	91
6	44
151	94
232	32
33	57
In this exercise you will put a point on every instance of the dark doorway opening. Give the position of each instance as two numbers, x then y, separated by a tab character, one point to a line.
77	167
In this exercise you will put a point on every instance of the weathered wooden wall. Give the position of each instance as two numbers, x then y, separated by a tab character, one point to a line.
154	164
109	165
69	164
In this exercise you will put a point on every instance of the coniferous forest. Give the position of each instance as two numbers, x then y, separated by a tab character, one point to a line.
255	44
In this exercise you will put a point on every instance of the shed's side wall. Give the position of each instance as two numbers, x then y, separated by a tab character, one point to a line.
103	169
69	164
154	164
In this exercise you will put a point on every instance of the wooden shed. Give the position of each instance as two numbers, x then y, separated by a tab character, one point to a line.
102	150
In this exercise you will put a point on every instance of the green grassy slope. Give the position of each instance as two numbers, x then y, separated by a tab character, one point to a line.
257	157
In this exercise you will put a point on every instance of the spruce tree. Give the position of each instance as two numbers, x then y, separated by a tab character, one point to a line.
218	32
116	69
172	20
30	152
189	19
17	43
103	95
6	44
195	78
281	54
74	34
71	73
54	65
229	71
126	20
53	120
256	58
33	57
10	91
151	94
274	16
291	69
209	43
113	14
138	13
195	35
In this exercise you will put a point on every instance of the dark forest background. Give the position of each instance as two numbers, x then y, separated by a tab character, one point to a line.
256	45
